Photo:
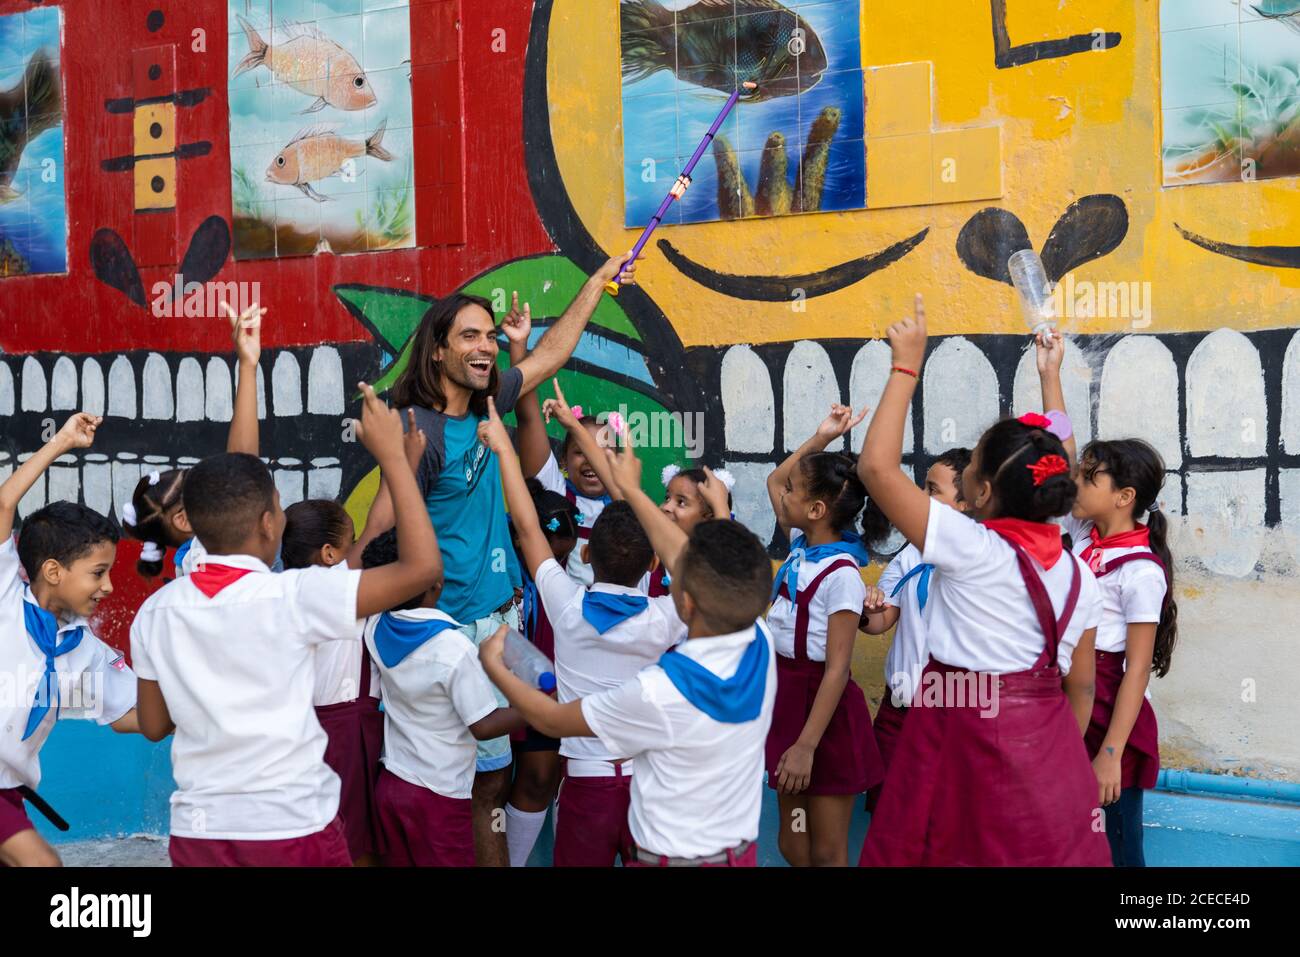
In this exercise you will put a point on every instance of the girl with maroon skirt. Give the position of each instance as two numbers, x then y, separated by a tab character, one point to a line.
537	756
990	767
1118	483
820	750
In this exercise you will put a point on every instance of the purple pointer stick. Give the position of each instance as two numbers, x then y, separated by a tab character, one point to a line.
682	183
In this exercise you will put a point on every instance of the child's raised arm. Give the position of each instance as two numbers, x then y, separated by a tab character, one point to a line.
1050	353
528	527
530	430
666	538
904	504
595	455
77	433
835	425
541	711
419	563
380	517
246	331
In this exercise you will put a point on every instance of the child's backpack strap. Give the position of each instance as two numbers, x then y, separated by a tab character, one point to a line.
803	604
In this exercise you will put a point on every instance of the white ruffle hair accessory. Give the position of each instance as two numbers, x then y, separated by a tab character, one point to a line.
671	472
128	514
151	552
155	477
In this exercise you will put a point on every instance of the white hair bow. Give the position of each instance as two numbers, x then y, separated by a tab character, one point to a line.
669	473
726	478
151	552
155	477
128	513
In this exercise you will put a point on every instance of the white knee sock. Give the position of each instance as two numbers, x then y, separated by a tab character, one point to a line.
522	828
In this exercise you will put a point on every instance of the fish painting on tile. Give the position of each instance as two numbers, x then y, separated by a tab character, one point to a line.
311	63
318	153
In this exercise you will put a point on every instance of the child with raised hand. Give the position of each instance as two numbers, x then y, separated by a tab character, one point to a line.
691	496
821	750
155	515
346	697
226	659
988	769
695	721
67	552
604	634
1117	527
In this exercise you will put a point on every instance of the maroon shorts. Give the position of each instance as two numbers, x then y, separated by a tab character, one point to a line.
355	738
420	828
325	848
13	816
846	760
747	859
591	827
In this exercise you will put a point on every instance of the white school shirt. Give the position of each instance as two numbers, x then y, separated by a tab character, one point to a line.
552	479
1134	593
587	663
431	698
338	671
698	787
93	680
841	590
237	672
908	653
979	615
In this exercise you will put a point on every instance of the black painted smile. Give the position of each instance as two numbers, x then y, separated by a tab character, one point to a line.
1283	257
787	288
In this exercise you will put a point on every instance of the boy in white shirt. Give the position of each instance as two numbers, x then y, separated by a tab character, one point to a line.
697	721
226	660
60	668
437	704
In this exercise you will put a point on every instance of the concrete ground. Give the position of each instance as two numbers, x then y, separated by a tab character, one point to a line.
138	850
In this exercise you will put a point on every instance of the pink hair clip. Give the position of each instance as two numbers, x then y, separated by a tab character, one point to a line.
576	410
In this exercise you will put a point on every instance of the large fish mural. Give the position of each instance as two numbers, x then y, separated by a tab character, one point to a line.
722	44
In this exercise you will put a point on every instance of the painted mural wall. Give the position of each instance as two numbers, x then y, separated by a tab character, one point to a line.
919	144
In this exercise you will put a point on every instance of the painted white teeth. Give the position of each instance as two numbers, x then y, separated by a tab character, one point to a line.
1222	389
203	390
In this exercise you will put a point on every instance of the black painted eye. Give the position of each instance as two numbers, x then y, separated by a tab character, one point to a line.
359	81
279	161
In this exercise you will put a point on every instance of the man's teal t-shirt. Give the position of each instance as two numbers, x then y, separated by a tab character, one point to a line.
460	479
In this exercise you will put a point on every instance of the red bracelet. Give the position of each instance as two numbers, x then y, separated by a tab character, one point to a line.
905	371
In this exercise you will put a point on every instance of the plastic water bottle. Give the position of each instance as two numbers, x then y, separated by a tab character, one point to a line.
1036	299
527	663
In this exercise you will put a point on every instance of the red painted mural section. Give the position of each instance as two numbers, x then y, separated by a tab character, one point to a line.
493	215
473	205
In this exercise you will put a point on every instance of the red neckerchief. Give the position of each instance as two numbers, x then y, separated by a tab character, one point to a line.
1040	539
211	579
1138	537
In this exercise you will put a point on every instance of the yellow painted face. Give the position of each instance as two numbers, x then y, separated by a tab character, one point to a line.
1068	128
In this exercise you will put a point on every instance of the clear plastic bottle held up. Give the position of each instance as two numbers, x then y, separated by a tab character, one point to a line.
1037	301
527	663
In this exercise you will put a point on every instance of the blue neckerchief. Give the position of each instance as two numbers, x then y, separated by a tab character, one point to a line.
604	499
43	628
603	610
529	611
849	544
734	701
181	553
395	638
922	587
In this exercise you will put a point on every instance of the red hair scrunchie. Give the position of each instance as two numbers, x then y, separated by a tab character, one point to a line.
1035	421
1046	467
